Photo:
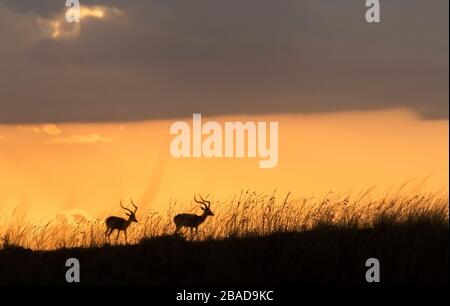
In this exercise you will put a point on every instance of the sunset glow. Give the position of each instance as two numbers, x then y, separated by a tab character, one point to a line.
88	167
95	12
58	28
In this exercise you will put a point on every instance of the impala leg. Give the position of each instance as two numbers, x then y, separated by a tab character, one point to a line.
108	235
126	240
117	237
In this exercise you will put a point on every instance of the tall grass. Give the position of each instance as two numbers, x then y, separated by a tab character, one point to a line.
245	214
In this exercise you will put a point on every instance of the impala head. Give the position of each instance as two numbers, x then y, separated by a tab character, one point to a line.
204	205
131	214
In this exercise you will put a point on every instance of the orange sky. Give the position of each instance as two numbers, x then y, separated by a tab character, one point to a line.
46	169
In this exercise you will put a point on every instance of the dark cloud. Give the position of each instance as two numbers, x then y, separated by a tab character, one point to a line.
47	8
165	59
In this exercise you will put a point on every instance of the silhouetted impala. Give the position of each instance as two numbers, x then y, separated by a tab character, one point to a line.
120	224
192	221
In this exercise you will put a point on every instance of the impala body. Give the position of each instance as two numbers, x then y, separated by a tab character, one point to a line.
120	224
193	221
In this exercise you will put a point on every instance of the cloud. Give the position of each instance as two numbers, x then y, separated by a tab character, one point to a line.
33	129
73	217
79	139
47	8
56	26
58	138
49	129
166	59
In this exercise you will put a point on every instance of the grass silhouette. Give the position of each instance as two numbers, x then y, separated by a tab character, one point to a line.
254	239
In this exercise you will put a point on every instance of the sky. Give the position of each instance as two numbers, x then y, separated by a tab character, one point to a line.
140	60
49	169
85	108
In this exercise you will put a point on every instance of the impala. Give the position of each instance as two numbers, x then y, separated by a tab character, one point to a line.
120	224
192	221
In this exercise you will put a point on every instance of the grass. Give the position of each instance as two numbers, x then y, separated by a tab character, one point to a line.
254	239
